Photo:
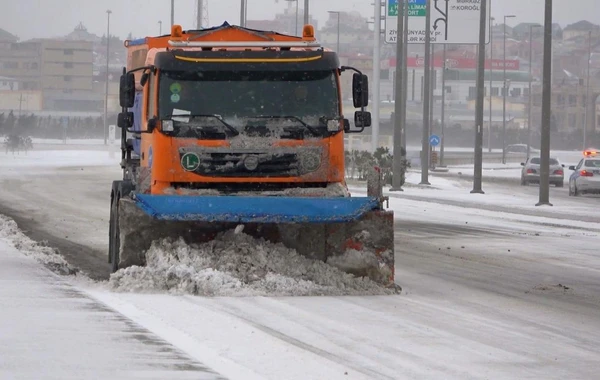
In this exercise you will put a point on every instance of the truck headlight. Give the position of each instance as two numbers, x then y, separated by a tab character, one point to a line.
310	162
333	125
167	126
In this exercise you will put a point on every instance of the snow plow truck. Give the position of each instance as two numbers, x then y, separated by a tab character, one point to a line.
230	126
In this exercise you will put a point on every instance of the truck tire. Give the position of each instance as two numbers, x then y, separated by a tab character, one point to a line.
120	189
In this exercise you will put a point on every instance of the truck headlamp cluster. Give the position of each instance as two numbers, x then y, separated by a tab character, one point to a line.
333	125
309	162
167	126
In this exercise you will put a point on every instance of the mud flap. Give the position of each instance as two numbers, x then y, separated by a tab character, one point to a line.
358	243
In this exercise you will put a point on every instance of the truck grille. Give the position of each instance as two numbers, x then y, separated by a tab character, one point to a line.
234	165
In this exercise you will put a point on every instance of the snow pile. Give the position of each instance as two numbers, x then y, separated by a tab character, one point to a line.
9	231
236	264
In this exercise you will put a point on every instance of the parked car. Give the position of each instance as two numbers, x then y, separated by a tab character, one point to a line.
586	175
531	171
521	148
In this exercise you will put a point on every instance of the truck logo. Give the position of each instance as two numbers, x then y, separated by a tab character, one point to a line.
190	162
251	163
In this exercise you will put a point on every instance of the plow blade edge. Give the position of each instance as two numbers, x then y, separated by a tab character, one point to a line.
352	234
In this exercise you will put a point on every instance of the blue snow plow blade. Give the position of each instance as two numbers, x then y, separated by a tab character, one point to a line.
255	209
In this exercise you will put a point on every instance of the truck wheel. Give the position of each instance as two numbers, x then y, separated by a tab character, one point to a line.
114	244
120	190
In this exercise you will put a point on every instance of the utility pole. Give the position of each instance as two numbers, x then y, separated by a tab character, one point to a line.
491	82
397	164
200	9
504	93
431	92
478	168
159	28
108	12
546	110
376	75
404	83
587	92
306	12
529	118
443	114
172	13
243	15
426	98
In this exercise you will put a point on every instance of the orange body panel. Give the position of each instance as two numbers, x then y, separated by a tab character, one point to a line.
166	166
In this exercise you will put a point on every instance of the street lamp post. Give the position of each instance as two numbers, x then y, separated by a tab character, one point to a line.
530	87
306	13
587	92
491	82
338	30
160	28
108	12
504	91
172	13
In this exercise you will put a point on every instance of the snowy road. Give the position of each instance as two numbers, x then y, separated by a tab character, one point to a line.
490	291
51	330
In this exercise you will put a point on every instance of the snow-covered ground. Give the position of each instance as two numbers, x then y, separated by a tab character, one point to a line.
493	287
50	329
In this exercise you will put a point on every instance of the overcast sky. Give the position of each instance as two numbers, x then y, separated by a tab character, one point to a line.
50	18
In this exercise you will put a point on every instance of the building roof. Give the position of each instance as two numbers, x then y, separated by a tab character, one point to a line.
583	26
5	36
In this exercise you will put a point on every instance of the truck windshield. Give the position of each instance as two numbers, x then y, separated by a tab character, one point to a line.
295	99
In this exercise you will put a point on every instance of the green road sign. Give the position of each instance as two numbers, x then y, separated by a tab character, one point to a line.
416	8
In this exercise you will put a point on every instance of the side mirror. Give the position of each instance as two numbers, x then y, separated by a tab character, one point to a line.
571	167
360	90
362	119
125	120
522	164
563	165
127	90
144	79
152	123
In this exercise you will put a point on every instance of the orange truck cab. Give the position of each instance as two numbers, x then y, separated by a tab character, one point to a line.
235	109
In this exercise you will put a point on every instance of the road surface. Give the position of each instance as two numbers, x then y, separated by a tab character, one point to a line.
484	296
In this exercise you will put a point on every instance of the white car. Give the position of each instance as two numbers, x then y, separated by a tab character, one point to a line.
586	175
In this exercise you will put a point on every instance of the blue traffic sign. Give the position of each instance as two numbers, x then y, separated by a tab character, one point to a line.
434	140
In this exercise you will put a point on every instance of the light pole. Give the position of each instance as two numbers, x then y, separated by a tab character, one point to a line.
306	13
243	14
530	87
546	109
172	13
338	29
491	81
587	92
160	28
108	12
477	172
504	91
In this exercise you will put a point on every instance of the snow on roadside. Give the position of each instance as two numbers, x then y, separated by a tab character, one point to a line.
236	264
10	232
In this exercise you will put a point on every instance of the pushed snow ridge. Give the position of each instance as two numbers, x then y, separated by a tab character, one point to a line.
236	264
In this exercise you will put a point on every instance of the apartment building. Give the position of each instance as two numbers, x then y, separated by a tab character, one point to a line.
61	71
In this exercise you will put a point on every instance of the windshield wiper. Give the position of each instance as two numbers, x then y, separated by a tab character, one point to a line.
305	125
231	128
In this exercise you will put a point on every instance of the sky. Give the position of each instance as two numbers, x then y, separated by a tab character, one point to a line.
51	18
